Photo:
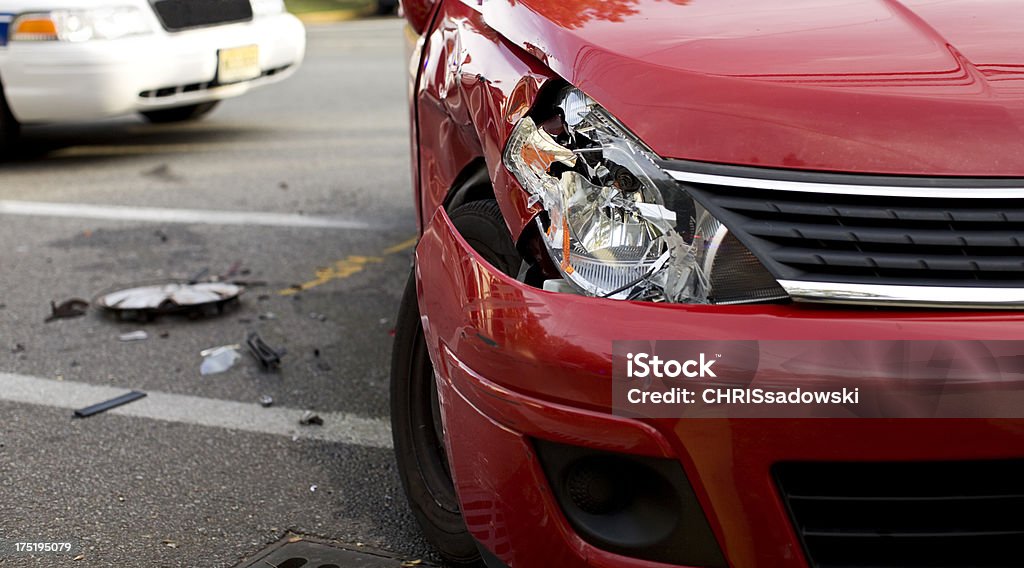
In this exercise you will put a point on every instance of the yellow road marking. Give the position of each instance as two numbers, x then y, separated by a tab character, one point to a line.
401	246
342	269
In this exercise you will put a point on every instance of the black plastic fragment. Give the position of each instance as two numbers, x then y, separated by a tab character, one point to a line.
107	405
70	309
268	357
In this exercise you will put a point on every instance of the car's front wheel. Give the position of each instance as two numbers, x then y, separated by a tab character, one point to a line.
180	114
415	410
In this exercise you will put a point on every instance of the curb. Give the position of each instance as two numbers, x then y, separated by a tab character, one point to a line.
330	16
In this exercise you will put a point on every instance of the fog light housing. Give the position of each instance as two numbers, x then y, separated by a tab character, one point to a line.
631	505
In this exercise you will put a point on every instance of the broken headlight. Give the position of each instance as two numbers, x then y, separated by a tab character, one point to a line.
618	226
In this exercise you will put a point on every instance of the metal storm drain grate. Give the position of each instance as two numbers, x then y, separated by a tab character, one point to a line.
294	553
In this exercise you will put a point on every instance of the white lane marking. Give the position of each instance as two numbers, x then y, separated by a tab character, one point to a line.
188	216
338	426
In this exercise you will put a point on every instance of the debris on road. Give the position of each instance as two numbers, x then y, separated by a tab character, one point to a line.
138	335
268	357
199	275
219	359
192	299
108	404
162	172
312	488
230	273
310	418
316	316
18	348
268	316
68	309
266	401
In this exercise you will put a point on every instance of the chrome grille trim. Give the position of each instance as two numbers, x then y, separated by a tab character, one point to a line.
851	293
848	189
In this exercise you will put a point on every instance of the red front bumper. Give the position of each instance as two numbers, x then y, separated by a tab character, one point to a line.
515	363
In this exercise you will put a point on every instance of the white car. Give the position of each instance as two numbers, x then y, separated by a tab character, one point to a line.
170	60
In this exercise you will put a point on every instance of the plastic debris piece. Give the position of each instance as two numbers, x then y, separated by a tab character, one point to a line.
138	335
68	309
199	275
268	357
203	298
108	404
266	401
312	488
310	418
219	359
232	270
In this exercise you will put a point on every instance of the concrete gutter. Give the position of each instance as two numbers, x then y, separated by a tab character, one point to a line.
330	16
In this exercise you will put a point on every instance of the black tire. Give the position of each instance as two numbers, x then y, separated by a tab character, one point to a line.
483	227
180	114
10	129
386	7
415	415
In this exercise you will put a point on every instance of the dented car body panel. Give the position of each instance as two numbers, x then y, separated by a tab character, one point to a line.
908	88
873	86
515	363
472	89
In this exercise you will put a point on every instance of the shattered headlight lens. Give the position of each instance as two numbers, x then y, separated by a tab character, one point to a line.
618	226
82	25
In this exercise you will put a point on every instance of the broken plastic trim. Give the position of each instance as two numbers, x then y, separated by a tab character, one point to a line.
72	308
218	359
108	404
268	357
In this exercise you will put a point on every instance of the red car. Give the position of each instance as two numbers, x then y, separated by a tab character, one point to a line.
593	171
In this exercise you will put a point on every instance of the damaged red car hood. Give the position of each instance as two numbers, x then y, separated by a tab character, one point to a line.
918	87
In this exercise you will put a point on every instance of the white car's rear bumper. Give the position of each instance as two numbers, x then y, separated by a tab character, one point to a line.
59	81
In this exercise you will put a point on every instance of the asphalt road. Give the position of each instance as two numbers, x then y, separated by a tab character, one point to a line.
198	474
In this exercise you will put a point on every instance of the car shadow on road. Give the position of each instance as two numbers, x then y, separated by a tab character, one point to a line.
71	144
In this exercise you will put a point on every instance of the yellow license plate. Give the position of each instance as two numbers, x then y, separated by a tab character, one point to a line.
238	64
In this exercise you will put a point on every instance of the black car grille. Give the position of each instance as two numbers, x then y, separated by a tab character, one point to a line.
907	515
177	15
861	239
